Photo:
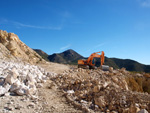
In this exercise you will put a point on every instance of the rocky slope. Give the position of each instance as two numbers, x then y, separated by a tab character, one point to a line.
5	53
27	88
12	46
20	79
97	91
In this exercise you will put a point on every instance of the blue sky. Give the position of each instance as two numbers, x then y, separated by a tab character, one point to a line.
120	28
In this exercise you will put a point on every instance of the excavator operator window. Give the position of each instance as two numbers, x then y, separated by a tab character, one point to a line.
93	61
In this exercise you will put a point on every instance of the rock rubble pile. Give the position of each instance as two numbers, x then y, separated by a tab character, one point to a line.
21	78
101	91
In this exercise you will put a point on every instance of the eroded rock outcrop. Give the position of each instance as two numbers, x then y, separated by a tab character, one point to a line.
17	49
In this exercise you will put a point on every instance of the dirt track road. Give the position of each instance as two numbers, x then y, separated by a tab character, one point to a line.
51	97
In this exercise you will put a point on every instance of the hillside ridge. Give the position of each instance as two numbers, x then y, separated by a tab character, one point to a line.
71	57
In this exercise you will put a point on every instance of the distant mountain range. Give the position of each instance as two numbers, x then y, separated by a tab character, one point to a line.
130	65
66	57
71	57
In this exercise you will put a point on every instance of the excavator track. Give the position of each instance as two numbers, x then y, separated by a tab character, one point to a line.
83	66
87	67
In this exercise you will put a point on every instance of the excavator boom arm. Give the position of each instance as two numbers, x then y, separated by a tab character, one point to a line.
102	58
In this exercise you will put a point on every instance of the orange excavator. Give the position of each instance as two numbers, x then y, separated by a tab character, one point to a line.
90	62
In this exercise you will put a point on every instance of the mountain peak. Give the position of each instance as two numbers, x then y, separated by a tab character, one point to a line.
70	51
68	56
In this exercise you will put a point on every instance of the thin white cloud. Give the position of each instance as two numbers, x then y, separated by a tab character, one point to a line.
65	47
95	47
21	25
3	21
144	3
140	26
99	45
65	14
88	50
18	24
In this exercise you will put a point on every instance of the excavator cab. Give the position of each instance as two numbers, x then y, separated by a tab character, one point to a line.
93	61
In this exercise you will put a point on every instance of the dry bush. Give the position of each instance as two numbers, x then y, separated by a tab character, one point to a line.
140	84
133	84
147	75
146	85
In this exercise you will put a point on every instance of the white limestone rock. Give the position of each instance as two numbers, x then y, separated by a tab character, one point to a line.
10	78
30	78
15	86
21	78
21	91
4	89
2	80
143	111
39	85
70	91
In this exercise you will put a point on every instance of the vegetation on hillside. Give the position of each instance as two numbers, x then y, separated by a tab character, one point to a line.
72	57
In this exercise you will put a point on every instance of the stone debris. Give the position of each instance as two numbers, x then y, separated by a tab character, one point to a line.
102	91
70	91
21	78
143	111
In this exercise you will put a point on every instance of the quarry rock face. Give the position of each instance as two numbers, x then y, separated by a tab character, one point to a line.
17	49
